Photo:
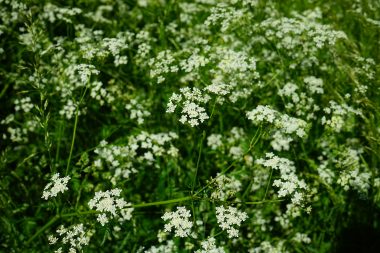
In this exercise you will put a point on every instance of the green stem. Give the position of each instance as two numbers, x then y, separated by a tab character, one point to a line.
73	140
198	160
74	131
4	90
269	180
46	226
157	203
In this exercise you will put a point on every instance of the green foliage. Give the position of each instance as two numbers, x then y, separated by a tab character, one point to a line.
115	114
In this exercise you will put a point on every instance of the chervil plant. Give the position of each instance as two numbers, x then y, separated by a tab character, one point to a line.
189	126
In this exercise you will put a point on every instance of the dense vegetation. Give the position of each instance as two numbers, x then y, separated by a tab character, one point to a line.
189	126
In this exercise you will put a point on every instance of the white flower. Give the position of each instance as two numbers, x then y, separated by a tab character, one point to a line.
75	236
209	246
230	218
56	186
109	203
288	183
179	220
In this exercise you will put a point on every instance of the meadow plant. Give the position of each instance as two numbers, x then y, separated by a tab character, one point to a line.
198	126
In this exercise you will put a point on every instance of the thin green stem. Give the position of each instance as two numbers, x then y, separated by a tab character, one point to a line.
74	131
72	140
4	90
46	226
198	160
157	203
269	180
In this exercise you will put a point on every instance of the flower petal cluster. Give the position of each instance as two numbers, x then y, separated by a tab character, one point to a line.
179	221
230	218
56	186
110	204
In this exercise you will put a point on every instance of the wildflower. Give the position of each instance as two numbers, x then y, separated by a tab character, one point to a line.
230	218
56	186
75	237
209	246
179	220
111	206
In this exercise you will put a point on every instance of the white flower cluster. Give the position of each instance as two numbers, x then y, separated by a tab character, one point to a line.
191	112
153	145
292	34
83	71
24	104
289	184
162	64
314	85
57	185
168	247
142	148
209	246
302	103
194	61
302	238
267	247
366	67
284	124
223	15
116	157
115	46
224	187
75	237
137	111
233	74
214	141
337	116
234	62
52	13
93	45
68	109
111	205
355	179
99	93
230	218
179	221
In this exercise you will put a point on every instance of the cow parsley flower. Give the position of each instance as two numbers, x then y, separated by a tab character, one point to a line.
179	221
111	206
209	246
230	218
289	184
75	237
56	186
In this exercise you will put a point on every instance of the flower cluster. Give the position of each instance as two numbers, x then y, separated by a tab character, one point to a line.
111	205
209	246
57	185
230	218
137	111
224	15
304	32
75	237
191	112
284	125
289	184
337	116
179	221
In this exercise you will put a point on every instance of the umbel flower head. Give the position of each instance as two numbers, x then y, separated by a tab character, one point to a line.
179	220
56	186
110	204
230	218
